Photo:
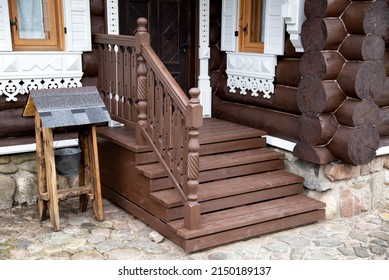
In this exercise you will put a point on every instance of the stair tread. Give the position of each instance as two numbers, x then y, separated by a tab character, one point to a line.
248	215
232	186
216	130
209	162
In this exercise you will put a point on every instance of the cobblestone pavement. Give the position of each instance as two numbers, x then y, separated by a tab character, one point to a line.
121	236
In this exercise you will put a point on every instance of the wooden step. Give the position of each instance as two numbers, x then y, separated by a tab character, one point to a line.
216	131
230	187
247	215
222	173
176	213
255	230
223	160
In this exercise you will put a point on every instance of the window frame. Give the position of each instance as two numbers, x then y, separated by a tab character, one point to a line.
246	26
55	43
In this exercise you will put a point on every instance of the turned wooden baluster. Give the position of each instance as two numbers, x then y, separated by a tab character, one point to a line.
194	120
141	37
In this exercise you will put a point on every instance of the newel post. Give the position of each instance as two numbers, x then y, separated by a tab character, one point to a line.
141	37
194	120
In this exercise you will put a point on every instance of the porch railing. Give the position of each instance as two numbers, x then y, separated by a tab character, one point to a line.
140	92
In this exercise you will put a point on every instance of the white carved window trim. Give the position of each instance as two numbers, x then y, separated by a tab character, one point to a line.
25	70
256	72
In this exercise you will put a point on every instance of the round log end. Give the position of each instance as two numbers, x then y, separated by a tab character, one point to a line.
311	97
314	34
370	80
315	8
376	19
317	130
312	63
355	145
363	145
307	152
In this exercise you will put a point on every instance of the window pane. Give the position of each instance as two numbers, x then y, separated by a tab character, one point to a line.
31	19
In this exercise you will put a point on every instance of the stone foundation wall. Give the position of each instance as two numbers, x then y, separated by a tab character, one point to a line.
346	189
18	180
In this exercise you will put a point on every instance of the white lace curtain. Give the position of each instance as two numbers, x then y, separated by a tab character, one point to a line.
31	19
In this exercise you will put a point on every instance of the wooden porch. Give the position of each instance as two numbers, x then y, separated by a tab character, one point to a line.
201	183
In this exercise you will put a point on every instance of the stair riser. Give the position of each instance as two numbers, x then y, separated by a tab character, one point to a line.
237	200
229	146
223	173
205	242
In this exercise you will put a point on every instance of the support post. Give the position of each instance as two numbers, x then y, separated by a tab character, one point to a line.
192	209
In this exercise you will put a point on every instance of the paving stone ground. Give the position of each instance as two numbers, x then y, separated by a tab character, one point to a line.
121	237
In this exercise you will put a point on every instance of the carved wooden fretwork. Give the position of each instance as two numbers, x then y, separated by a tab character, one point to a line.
12	88
251	72
255	85
23	71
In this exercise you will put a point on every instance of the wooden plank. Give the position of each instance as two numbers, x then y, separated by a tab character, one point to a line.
65	193
237	200
122	136
95	175
205	242
210	162
238	158
234	145
249	215
51	177
240	170
40	162
223	173
232	186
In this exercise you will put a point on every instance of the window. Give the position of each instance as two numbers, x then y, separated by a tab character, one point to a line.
36	24
251	25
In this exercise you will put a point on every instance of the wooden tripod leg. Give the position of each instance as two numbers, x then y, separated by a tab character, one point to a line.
83	174
42	187
95	174
51	177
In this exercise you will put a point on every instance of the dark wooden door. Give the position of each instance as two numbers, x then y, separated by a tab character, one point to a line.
172	29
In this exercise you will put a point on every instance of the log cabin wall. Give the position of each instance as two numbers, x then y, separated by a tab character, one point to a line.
343	72
333	99
278	115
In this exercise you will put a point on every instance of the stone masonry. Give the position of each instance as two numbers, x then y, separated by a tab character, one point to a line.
18	180
347	190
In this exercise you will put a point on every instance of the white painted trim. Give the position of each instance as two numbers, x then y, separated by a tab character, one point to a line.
230	13
40	64
280	143
5	30
293	12
112	17
204	83
78	25
27	148
382	151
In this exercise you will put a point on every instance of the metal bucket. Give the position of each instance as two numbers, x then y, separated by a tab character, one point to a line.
67	161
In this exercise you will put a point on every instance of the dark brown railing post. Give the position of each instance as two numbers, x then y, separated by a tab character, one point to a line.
194	120
141	37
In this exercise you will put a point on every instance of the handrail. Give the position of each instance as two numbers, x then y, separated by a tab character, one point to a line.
167	81
120	40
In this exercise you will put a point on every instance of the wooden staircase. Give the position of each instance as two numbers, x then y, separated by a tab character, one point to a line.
244	190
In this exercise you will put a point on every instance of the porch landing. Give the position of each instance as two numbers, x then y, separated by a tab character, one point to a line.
244	190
